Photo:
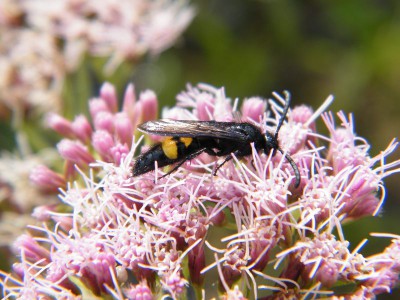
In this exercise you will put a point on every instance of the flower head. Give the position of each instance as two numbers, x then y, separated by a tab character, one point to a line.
123	30
151	236
32	71
43	41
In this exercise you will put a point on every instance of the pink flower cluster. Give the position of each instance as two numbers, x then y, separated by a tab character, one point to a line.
145	238
122	29
43	41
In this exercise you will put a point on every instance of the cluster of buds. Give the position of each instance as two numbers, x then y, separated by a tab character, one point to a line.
247	232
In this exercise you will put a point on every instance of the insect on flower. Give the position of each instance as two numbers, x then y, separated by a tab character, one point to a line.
187	139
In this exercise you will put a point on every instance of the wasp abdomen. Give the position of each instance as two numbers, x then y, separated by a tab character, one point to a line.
170	151
175	147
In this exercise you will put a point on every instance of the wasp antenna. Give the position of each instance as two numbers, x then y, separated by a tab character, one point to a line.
294	166
284	113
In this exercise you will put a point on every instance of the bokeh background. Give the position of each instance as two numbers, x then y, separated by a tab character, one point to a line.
350	49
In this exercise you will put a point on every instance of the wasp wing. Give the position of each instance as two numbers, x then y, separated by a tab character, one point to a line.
188	128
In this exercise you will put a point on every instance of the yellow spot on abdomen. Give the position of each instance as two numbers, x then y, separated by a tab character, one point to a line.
186	140
170	149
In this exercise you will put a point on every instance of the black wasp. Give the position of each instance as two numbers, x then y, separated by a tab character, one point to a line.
187	139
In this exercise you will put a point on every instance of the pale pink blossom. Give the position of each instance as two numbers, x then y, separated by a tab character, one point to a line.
43	40
120	30
149	103
82	128
16	187
139	291
32	71
47	180
253	108
75	152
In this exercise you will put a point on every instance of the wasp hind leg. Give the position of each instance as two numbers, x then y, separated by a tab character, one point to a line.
227	158
176	167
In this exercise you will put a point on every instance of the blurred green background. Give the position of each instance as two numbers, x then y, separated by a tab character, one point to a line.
350	49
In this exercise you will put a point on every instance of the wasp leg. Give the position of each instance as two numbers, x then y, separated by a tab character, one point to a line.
237	153
227	158
176	167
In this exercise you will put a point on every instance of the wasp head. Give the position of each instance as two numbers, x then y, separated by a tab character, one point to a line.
271	142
